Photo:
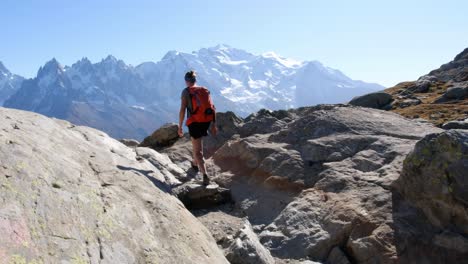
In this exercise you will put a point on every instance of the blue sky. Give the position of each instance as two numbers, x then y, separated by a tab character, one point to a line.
378	41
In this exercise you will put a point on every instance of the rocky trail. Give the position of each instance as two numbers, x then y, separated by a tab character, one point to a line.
317	184
326	184
72	194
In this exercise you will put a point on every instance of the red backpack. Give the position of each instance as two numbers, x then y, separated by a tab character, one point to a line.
203	109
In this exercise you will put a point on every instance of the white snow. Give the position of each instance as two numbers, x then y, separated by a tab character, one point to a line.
258	84
251	81
291	63
138	107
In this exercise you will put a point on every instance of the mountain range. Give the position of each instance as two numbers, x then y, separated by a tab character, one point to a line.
131	101
9	83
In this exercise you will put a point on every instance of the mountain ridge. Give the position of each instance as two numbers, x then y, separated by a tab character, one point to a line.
108	92
441	96
9	83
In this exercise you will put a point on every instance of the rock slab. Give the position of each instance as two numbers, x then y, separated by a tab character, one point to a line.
162	137
378	100
72	194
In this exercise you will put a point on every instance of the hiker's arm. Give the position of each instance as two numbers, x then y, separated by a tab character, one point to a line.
214	128
183	106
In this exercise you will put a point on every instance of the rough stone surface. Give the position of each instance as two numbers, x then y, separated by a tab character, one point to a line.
162	137
456	93
457	124
454	71
422	85
330	184
130	142
408	103
172	174
430	201
245	248
223	222
337	256
196	196
312	179
72	194
376	100
435	179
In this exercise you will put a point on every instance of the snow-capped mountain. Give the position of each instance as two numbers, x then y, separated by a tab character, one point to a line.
245	82
108	95
9	83
128	101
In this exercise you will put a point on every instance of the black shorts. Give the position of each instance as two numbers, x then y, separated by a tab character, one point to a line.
198	130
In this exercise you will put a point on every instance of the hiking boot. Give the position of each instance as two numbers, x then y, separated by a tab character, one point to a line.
194	167
206	180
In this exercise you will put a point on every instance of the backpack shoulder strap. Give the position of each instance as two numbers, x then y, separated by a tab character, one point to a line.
188	97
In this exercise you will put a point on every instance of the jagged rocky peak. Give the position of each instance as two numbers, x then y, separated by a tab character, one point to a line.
170	55
110	62
110	59
240	81
227	51
221	46
84	66
51	68
9	83
316	67
462	56
82	62
3	69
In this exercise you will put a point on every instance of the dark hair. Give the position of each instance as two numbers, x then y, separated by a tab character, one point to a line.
191	76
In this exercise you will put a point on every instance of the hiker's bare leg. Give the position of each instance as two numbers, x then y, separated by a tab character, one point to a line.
194	158
197	145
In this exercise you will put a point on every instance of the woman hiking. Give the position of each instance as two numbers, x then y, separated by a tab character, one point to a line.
201	113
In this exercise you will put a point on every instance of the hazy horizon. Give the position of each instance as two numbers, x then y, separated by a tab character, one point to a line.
385	43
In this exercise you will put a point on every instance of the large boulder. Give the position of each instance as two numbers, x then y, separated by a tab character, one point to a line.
72	194
181	151
245	248
456	124
337	256
378	100
407	103
454	93
319	178
197	196
431	201
162	137
321	184
422	85
435	179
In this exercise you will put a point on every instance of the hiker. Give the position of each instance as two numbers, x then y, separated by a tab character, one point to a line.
201	113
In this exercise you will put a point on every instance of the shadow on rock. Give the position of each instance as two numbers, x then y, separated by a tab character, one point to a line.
196	196
147	173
